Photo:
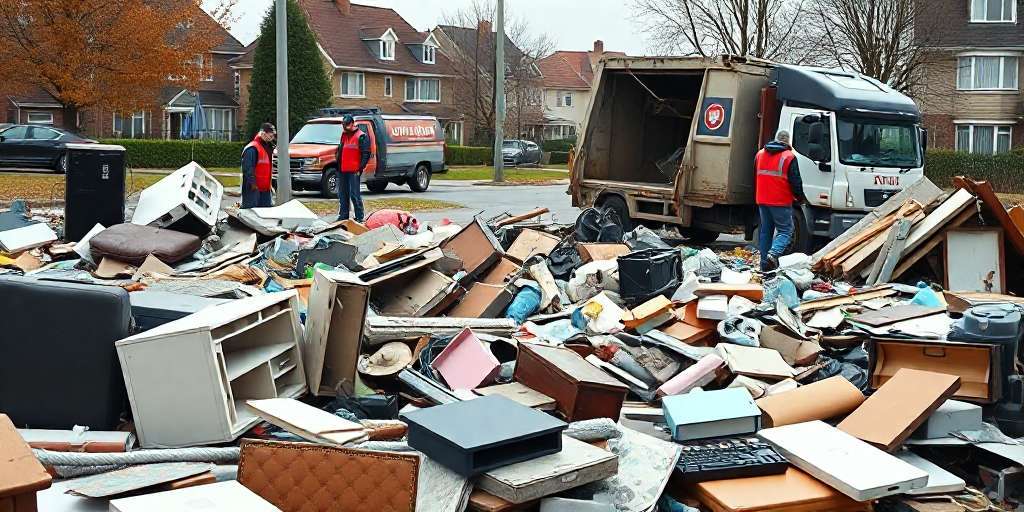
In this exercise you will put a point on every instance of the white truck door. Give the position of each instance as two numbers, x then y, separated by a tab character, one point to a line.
815	160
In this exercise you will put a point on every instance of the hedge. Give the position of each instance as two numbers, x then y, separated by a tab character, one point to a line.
559	157
172	154
467	155
1005	171
561	145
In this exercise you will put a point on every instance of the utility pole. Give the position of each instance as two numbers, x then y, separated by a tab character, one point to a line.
499	93
284	165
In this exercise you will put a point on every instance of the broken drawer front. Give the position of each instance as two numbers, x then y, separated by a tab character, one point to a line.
581	390
976	364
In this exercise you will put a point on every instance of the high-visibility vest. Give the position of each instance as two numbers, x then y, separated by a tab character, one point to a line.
773	178
264	169
351	156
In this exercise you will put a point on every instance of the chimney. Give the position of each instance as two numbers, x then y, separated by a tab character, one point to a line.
599	48
344	6
483	34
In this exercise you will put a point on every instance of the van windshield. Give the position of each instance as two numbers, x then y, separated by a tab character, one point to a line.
878	143
319	133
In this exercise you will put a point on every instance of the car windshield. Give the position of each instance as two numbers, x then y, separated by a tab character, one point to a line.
514	144
318	133
878	143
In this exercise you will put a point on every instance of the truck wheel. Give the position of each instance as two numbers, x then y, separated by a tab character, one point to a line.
699	235
420	179
376	186
329	183
618	205
803	239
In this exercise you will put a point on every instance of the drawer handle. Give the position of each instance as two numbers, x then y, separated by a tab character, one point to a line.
934	351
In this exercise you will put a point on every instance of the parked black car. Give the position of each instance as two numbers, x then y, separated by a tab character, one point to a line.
521	152
27	145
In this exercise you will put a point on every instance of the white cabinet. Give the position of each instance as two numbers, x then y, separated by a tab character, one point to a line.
188	380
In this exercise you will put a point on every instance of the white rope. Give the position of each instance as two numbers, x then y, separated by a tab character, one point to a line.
215	455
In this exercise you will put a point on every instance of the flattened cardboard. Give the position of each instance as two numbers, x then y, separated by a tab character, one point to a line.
530	243
649	315
28	237
21	474
822	400
893	314
134	478
109	268
229	496
466	363
520	393
793	491
687	333
688	314
308	422
578	463
502	272
762	363
902	404
476	246
483	301
795	351
601	251
336	316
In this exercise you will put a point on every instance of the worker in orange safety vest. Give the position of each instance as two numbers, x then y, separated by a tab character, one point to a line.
257	169
778	187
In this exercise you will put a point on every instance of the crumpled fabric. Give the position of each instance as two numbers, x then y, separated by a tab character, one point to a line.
740	330
705	264
593	278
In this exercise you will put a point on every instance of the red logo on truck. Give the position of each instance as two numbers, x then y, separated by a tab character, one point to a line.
714	116
411	130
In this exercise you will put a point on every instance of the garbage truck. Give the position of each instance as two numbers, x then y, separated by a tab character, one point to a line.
670	141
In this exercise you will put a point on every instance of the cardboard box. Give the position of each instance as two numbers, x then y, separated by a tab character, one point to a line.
601	251
902	404
21	474
795	351
578	463
951	416
822	400
483	301
793	491
531	242
475	436
649	315
502	272
713	307
420	297
581	390
977	364
750	291
476	246
761	363
335	319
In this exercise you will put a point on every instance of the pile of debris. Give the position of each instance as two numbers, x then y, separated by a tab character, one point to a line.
265	359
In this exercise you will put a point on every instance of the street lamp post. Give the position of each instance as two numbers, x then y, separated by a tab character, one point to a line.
499	93
284	168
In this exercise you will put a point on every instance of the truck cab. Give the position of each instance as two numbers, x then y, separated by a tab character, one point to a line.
857	141
404	149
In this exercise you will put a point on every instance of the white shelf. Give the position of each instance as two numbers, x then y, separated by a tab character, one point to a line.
244	414
242	361
290	391
279	373
260	321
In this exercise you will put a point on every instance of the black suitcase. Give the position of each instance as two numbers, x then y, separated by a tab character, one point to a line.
647	273
58	366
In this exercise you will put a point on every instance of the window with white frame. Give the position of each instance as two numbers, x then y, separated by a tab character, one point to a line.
993	11
423	90
205	65
353	85
387	49
987	72
453	133
130	127
429	54
220	123
40	118
238	85
564	99
984	139
389	87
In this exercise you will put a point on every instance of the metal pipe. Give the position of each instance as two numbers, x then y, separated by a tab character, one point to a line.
284	168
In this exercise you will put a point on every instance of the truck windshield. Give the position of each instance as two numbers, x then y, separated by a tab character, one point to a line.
878	143
318	133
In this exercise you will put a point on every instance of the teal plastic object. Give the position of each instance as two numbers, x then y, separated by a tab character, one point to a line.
925	296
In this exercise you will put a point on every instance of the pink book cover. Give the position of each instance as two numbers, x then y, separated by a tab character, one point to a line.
699	374
466	363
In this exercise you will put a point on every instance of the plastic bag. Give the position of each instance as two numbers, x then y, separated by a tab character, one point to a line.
595	225
856	375
563	260
740	330
593	278
704	264
643	238
780	286
525	303
801	277
925	296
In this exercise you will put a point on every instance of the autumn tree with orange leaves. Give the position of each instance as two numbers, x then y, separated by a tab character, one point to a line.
111	53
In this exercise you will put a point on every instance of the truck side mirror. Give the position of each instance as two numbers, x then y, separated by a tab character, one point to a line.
824	167
924	140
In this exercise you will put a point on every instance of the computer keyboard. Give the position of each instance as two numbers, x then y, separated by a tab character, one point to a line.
719	459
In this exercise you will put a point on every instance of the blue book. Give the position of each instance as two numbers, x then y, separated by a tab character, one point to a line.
707	414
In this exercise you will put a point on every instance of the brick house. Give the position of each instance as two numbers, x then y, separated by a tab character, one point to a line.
971	100
568	83
164	118
375	59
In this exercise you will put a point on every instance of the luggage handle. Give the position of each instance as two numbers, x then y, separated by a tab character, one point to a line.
934	351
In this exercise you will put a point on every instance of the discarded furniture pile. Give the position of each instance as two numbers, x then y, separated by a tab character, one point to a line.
266	359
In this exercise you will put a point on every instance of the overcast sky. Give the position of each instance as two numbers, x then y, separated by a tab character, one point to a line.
572	24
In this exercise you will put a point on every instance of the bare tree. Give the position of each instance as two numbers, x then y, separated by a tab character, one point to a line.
873	37
768	29
473	60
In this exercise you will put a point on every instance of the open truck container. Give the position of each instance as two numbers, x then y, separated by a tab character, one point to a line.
672	140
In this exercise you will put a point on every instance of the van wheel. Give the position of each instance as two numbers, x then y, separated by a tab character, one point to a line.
618	205
329	183
420	179
376	186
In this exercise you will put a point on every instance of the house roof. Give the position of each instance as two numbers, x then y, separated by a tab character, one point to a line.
33	95
571	69
341	36
245	60
178	97
466	40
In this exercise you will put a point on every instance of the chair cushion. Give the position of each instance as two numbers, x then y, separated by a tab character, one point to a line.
132	243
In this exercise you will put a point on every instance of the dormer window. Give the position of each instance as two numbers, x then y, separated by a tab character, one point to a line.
429	54
387	50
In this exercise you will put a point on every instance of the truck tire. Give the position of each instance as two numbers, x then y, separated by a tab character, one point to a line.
617	204
376	186
329	183
803	239
420	180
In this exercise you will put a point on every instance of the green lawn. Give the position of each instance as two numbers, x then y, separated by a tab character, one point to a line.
42	187
511	175
330	206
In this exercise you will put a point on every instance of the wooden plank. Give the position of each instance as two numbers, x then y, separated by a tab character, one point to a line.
844	251
883	254
863	256
869	245
519	218
893	314
939	218
842	300
923	191
994	206
895	253
932	243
